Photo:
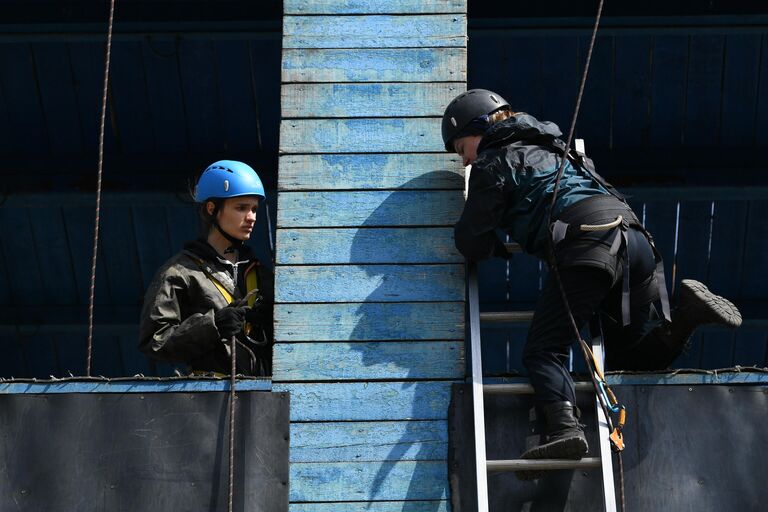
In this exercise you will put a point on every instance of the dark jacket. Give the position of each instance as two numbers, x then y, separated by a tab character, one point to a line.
177	319
511	184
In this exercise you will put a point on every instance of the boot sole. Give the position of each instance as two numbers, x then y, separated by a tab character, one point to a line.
571	449
718	310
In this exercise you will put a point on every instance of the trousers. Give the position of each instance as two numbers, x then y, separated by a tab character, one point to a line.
590	291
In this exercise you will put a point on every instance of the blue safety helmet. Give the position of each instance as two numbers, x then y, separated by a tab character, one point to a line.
228	178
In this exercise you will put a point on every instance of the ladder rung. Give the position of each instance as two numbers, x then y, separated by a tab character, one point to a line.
527	389
506	316
512	248
542	464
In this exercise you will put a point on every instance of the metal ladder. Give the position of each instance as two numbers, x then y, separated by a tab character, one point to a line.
479	390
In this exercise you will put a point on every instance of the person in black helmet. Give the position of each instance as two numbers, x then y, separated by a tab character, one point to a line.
215	288
606	259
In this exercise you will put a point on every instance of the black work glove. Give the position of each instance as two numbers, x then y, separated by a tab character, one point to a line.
256	314
230	320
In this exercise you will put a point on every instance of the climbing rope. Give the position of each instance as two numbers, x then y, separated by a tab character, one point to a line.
232	345
606	399
108	54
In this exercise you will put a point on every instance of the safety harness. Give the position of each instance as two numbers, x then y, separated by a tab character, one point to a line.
251	297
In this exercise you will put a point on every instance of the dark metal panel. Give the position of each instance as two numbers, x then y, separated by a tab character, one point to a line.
57	94
159	451
55	263
750	347
704	90
632	91
78	235
202	102
741	78
729	238
755	251
688	448
87	68
761	112
560	76
166	100
238	96
670	58
20	88
21	256
595	118
135	129
693	243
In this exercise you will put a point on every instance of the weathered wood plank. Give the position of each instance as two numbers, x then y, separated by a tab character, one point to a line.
361	135
368	100
351	481
368	361
371	208
375	65
371	171
369	321
368	401
370	283
373	6
369	441
375	31
366	245
372	506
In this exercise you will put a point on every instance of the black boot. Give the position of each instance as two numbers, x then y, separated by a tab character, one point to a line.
697	306
564	437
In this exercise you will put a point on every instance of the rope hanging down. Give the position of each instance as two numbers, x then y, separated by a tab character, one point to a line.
606	398
98	188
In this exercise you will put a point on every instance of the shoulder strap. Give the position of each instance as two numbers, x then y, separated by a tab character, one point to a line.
224	292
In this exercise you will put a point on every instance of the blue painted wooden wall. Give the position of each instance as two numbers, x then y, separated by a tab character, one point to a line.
370	289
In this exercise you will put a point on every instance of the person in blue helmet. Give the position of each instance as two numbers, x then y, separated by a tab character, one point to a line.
215	288
606	260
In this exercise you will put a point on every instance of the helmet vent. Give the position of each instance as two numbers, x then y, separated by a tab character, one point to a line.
453	121
495	100
226	185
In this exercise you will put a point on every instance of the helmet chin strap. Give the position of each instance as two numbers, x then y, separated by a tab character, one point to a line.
237	244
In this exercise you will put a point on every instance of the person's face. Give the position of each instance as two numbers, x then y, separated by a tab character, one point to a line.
237	216
466	147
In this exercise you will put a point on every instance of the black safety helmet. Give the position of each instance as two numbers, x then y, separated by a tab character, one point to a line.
464	108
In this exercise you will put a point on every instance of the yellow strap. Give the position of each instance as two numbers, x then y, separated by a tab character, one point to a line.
251	283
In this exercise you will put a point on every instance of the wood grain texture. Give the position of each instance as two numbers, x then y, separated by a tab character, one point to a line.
371	171
372	506
368	361
389	135
376	441
368	100
370	283
370	208
366	245
375	65
375	31
348	481
368	401
373	6
369	321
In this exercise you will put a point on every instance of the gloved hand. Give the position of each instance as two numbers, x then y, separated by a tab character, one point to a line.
256	314
230	320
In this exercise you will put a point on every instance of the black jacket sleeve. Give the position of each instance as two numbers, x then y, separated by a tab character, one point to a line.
474	232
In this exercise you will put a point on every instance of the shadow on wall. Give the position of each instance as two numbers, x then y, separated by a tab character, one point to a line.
417	458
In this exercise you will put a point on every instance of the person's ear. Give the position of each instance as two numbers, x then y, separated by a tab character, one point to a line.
210	207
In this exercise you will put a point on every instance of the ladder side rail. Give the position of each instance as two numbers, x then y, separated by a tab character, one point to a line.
477	390
603	429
